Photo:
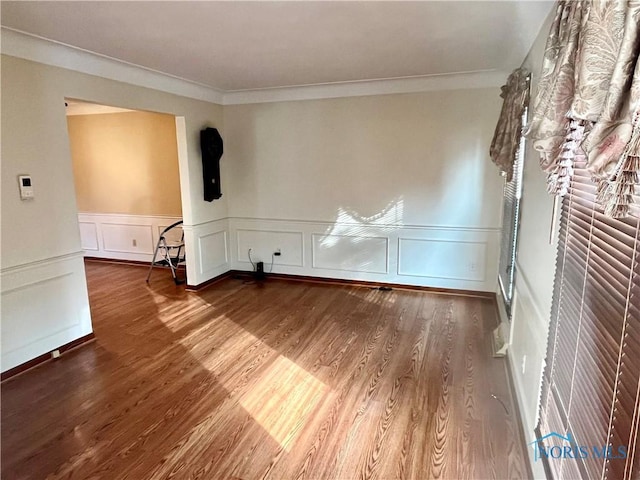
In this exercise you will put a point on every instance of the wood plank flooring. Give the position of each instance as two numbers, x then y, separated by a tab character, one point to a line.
280	380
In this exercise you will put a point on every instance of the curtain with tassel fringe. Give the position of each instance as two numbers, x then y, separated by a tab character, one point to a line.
588	99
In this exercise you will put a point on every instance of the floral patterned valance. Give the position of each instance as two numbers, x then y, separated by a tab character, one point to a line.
588	99
506	139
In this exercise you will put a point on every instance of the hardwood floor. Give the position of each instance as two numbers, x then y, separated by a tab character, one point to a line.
281	380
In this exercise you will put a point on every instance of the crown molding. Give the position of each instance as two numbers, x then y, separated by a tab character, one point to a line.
361	88
83	108
30	47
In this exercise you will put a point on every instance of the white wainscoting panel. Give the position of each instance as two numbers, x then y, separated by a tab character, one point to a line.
430	255
117	238
207	250
89	236
528	338
528	346
450	259
354	253
213	251
173	235
60	314
123	237
264	243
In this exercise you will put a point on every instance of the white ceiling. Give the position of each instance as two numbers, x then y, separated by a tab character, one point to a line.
234	45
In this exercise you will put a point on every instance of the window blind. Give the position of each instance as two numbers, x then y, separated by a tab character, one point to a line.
591	381
512	191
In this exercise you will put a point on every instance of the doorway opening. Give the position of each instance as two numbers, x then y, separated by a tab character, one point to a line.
127	181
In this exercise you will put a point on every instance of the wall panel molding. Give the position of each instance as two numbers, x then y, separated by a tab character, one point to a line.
208	250
115	238
351	253
106	235
432	255
540	311
367	252
213	248
89	236
39	263
527	350
289	242
61	314
442	258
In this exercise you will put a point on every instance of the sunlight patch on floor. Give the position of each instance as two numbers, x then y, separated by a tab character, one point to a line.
174	314
284	395
283	399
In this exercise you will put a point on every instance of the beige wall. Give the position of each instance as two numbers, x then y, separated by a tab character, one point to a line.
125	163
310	160
35	141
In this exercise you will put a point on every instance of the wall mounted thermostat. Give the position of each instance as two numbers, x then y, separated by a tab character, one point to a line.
26	188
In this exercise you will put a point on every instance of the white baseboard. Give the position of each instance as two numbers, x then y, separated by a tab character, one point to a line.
59	316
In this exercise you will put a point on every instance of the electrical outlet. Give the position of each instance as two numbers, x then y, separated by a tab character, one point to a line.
55	354
473	267
524	364
135	242
278	252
